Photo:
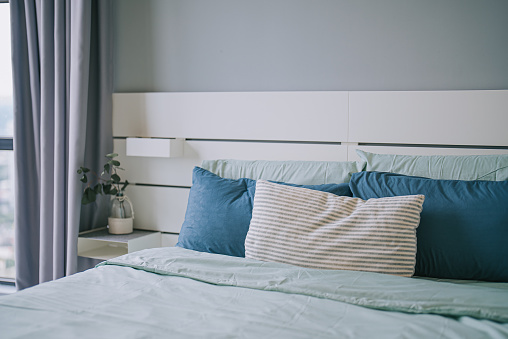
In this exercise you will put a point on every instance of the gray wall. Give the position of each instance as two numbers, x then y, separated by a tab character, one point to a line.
273	45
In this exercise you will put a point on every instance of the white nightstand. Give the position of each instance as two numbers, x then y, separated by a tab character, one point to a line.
99	244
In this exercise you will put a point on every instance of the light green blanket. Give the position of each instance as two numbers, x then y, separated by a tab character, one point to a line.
378	291
201	295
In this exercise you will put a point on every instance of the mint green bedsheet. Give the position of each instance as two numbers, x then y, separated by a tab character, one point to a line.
295	172
202	295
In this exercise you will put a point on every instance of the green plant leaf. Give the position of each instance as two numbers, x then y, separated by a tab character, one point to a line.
84	169
125	184
115	162
91	195
106	188
84	179
114	191
88	196
115	178
80	171
106	168
84	199
111	155
98	189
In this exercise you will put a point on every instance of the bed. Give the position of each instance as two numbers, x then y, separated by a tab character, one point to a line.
213	291
177	293
382	246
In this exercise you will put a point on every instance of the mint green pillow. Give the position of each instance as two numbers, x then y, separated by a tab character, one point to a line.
294	172
447	167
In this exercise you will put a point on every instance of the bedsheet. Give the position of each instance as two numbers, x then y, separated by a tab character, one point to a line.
179	293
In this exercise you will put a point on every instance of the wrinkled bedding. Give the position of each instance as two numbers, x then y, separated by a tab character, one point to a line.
179	293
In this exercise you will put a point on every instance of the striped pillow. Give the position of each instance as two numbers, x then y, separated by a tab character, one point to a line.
314	229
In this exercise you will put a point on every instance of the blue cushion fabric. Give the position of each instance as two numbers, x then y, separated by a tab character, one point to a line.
219	212
463	232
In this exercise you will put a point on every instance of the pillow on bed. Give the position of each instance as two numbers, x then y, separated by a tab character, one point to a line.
463	232
449	167
300	172
219	212
314	229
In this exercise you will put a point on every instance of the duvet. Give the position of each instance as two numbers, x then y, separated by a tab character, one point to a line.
179	293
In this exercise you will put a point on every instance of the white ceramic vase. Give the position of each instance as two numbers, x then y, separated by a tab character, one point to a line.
120	225
121	215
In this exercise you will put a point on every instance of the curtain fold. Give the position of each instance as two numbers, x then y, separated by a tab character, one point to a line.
62	73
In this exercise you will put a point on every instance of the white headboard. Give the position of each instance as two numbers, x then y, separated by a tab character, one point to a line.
323	126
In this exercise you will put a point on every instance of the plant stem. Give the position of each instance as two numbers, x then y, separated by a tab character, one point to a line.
99	179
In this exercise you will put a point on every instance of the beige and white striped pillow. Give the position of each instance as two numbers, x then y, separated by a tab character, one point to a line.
315	229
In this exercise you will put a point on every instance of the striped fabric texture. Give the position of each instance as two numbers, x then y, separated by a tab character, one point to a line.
320	230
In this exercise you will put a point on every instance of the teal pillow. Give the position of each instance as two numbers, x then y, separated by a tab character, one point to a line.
463	231
449	167
296	172
219	212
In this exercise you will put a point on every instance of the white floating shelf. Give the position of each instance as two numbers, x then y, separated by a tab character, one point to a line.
99	244
154	147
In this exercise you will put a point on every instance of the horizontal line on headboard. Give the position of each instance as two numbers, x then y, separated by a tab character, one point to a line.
123	137
271	141
338	143
157	185
254	141
433	145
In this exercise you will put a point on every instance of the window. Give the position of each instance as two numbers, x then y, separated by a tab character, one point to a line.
6	147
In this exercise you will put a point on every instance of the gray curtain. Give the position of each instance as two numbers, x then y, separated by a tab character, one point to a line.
62	56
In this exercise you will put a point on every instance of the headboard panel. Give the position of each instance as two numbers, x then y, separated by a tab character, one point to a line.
319	126
176	171
431	117
309	116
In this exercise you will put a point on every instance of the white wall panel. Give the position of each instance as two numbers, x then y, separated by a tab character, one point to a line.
265	151
158	208
160	171
178	171
300	116
433	117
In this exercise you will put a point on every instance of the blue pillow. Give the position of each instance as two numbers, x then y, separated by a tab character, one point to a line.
463	231
219	212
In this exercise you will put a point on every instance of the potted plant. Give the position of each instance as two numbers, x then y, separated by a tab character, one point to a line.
121	213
